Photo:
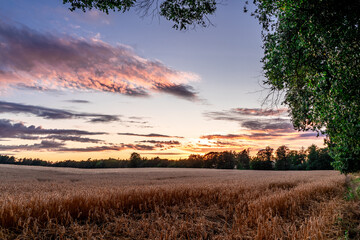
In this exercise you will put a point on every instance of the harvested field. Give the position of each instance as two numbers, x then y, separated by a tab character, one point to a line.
61	203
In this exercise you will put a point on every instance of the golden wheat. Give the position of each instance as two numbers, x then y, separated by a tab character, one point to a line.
56	203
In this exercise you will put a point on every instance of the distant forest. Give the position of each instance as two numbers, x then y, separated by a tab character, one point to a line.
312	158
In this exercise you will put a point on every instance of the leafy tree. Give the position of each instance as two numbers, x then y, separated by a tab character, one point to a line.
243	159
6	159
297	157
282	160
226	160
210	159
312	55
258	164
265	154
135	160
319	159
263	159
181	12
195	161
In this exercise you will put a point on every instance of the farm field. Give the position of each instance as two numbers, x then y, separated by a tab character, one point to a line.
154	203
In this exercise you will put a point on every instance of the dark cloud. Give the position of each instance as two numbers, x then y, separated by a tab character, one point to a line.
243	114
179	90
44	145
60	147
139	147
281	125
161	142
148	135
44	61
78	101
51	113
255	118
19	130
93	149
117	147
259	111
73	139
250	136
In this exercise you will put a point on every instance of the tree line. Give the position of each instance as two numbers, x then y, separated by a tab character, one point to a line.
312	158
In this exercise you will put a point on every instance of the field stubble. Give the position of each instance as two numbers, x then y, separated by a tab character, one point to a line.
57	203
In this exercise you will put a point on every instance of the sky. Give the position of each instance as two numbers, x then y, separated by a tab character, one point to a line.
77	85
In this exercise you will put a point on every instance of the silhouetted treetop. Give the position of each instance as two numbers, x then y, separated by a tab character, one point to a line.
183	13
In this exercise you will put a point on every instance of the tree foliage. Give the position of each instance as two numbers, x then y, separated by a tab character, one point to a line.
312	54
313	158
135	160
263	159
182	13
282	158
243	159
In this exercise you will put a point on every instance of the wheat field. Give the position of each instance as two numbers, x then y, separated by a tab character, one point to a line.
61	203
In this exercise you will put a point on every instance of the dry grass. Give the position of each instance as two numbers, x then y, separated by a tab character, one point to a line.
55	203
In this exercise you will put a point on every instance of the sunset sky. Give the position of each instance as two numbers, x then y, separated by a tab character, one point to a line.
77	85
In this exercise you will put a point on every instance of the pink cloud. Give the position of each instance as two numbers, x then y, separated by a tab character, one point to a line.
34	59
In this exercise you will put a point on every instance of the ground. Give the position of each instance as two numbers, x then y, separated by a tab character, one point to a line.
158	203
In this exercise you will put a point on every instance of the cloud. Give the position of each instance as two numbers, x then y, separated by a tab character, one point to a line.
93	149
52	113
114	147
243	114
162	144
139	146
60	147
54	139
148	135
19	130
163	153
74	139
47	61
171	142
255	118
259	111
44	145
78	101
282	125
180	90
250	136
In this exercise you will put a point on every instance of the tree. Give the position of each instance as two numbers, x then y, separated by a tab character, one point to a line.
135	160
319	159
211	159
181	12
243	159
265	154
195	161
263	159
311	54
226	160
297	159
282	161
6	159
